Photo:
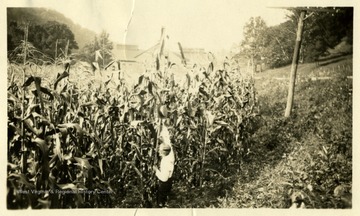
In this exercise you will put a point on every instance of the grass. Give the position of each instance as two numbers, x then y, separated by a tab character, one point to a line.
310	152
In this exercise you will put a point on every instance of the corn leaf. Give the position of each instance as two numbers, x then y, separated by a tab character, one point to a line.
42	144
22	179
60	77
68	186
28	81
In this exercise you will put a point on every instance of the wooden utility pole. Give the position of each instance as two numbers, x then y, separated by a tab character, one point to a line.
295	59
294	64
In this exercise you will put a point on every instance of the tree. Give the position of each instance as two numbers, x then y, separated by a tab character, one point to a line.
254	41
324	30
99	50
275	44
59	38
17	45
280	44
14	35
48	39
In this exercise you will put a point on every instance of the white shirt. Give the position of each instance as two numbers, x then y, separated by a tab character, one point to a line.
166	167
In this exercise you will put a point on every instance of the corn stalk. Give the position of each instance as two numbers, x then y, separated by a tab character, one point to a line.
24	149
202	169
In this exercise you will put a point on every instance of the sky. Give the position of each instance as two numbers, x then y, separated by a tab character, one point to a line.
211	24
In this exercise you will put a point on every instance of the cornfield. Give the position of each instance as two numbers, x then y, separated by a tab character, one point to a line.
75	142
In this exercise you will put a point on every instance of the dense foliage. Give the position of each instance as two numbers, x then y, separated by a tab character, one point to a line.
274	45
325	30
280	41
50	41
40	16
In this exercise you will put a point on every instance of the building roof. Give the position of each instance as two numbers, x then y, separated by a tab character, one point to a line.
192	55
132	53
126	53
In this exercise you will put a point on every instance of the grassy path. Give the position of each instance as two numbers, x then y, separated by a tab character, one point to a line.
310	152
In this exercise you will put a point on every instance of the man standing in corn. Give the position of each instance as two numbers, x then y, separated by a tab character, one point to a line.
164	173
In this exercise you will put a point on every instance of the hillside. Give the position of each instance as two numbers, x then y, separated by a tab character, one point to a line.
42	15
311	152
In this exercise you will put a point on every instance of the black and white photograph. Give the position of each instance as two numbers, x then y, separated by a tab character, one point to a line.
182	107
